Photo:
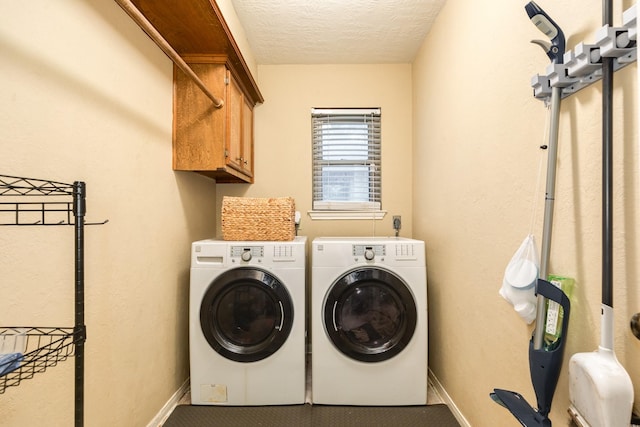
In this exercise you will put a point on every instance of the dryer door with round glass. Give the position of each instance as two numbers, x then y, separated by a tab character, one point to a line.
246	314
370	314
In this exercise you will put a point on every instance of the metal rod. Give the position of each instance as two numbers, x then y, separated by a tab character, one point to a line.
541	308
79	209
607	179
142	21
606	319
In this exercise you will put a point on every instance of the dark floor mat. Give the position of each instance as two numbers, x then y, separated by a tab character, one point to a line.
311	416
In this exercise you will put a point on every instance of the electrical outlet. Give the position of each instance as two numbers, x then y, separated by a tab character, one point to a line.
397	222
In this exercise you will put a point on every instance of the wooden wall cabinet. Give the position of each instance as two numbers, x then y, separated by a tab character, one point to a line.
216	142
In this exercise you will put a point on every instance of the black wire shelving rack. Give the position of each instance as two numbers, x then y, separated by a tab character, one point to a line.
37	202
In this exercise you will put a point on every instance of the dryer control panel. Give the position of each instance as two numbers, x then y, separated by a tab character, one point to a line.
370	252
348	251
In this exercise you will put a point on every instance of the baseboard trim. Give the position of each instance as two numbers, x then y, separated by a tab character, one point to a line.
444	396
168	407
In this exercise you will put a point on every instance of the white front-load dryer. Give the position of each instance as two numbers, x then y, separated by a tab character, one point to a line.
368	321
247	322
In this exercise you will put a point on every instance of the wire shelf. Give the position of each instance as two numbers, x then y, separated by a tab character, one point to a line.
40	348
59	207
16	210
26	351
19	186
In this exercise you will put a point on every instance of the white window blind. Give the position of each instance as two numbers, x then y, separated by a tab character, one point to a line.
346	159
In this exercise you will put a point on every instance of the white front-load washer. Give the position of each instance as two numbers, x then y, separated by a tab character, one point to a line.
247	322
368	321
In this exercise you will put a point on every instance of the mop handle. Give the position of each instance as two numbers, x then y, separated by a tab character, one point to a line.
556	95
555	52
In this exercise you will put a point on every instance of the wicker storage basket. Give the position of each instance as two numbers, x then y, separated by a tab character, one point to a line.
268	219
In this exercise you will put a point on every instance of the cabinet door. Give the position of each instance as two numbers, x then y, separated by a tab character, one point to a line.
198	127
235	102
247	137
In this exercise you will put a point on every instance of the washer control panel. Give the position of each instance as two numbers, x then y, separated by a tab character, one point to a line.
247	253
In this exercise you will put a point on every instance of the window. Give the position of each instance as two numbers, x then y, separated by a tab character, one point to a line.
346	159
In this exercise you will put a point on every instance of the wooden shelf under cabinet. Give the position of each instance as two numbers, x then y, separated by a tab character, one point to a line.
216	142
197	27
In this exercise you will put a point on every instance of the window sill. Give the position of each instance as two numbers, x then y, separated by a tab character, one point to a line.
333	215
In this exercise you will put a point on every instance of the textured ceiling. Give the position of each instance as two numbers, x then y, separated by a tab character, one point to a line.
336	31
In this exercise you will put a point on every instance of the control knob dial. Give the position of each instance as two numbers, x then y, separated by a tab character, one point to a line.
369	254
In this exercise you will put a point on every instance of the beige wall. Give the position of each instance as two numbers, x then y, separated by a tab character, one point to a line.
230	17
477	129
283	138
85	95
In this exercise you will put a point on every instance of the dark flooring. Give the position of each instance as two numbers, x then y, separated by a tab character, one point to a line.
437	415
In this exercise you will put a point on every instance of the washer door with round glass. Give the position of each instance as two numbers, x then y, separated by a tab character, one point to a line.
370	314
246	314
